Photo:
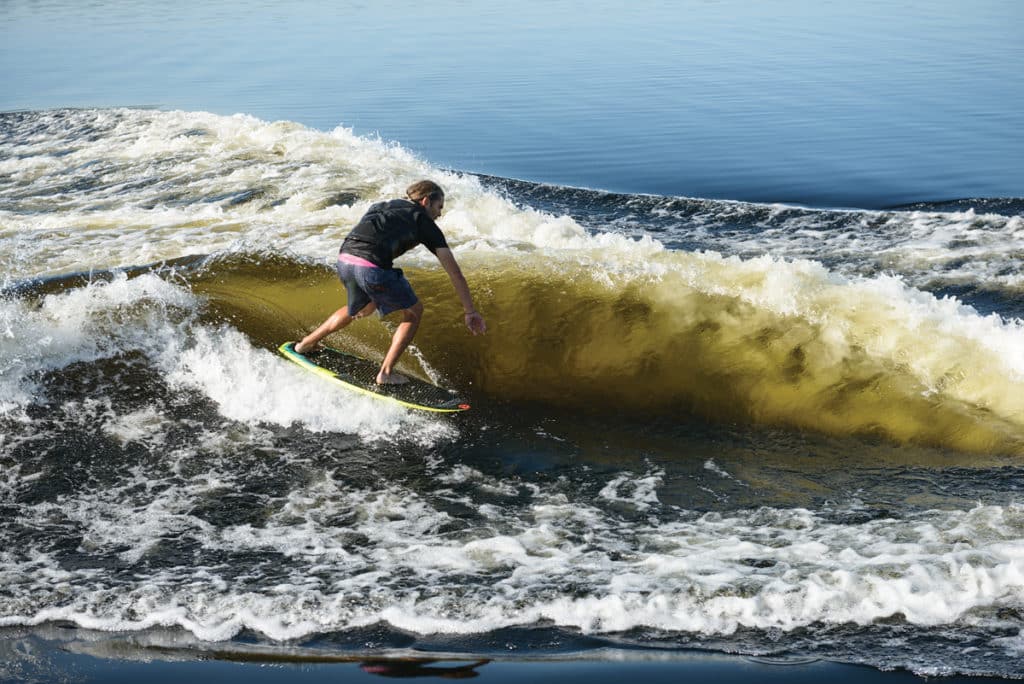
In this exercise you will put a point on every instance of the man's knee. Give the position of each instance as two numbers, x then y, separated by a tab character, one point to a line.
414	313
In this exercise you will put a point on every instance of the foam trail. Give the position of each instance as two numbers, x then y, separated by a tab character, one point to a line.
225	367
160	319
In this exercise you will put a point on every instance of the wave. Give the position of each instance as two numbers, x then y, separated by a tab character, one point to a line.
761	314
758	341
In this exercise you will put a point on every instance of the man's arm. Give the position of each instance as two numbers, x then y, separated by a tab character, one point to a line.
474	321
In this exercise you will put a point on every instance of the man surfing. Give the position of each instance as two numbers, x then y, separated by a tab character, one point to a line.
365	266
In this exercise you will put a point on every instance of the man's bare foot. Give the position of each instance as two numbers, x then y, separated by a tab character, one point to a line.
311	349
391	379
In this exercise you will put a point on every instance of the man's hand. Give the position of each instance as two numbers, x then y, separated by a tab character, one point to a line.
475	323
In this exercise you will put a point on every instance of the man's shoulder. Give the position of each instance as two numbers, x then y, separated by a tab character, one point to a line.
398	212
395	206
400	205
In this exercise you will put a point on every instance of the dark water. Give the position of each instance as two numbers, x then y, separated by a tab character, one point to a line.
767	429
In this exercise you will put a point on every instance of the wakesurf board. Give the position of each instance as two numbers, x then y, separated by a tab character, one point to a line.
360	375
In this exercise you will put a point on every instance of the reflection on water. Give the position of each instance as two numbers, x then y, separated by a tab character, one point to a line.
408	669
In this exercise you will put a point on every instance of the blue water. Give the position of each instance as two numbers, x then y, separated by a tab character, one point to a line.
865	104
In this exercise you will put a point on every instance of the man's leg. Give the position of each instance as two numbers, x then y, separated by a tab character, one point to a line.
338	320
399	341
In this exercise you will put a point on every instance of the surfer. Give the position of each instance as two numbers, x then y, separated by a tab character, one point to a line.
365	266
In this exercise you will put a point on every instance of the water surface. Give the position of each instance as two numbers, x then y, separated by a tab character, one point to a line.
700	421
867	105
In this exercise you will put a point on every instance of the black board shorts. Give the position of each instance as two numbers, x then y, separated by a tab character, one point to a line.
385	287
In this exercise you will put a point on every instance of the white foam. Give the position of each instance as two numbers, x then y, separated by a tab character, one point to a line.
258	386
145	426
716	469
926	248
463	474
641	493
98	321
566	561
147	161
152	315
195	155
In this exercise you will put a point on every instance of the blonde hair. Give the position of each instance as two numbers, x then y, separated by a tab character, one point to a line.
424	188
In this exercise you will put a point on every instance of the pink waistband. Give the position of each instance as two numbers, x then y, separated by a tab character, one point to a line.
356	261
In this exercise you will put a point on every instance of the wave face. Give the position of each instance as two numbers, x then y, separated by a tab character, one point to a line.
697	423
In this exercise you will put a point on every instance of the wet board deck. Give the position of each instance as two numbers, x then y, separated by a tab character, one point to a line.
358	374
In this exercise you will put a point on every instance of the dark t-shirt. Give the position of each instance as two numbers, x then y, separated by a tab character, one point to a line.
390	229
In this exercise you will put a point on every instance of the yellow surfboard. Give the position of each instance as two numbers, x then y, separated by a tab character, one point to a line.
356	373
